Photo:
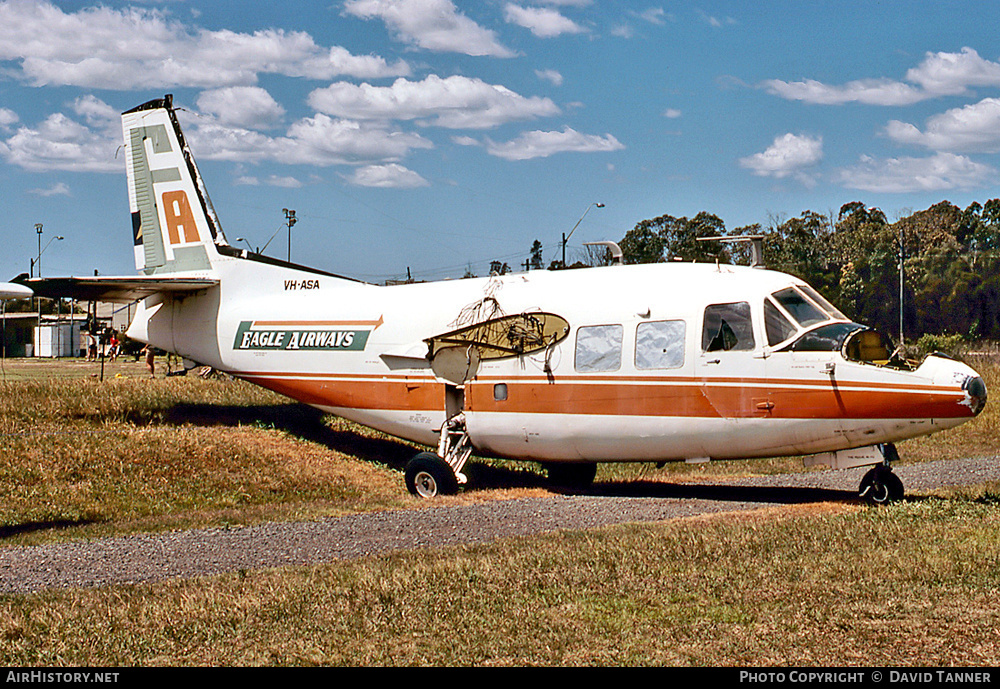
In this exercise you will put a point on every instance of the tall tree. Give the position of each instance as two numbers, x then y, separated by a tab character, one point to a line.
669	238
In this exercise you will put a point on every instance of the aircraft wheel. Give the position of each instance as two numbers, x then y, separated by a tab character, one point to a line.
880	486
572	474
428	476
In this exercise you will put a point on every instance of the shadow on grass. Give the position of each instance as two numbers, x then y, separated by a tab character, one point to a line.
33	527
308	423
779	495
296	419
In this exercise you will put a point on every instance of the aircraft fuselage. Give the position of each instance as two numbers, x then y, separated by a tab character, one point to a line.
632	380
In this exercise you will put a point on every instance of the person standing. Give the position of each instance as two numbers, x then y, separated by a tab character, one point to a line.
150	360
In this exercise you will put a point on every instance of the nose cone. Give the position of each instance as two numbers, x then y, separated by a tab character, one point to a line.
975	388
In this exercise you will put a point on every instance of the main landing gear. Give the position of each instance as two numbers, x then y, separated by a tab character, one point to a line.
430	474
880	486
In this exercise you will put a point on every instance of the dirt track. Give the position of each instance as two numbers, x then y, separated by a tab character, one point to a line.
155	557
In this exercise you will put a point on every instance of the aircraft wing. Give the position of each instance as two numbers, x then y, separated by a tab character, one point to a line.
120	290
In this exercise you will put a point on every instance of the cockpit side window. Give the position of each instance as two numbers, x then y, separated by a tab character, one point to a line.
777	327
727	327
800	308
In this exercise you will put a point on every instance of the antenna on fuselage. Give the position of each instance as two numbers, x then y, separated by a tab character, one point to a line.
756	242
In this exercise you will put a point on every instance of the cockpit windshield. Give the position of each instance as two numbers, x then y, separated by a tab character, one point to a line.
823	303
827	338
800	308
792	310
796	308
854	341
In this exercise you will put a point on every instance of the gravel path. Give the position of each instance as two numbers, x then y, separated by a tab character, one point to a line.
155	557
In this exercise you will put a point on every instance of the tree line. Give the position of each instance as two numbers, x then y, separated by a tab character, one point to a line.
950	261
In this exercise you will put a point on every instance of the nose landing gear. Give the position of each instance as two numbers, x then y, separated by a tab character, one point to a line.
880	486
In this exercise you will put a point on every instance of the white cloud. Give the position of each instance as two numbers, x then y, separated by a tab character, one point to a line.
672	113
974	128
101	47
432	25
550	75
939	74
62	143
364	66
7	118
622	31
714	21
867	91
391	176
455	102
319	140
541	21
953	73
57	189
538	144
242	106
941	172
285	182
96	112
655	15
788	155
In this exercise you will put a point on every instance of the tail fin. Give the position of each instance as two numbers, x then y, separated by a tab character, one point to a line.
174	227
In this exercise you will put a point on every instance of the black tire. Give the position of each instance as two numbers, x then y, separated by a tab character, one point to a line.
428	476
880	487
571	474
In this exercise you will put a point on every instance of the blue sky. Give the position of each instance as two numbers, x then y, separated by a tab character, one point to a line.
436	135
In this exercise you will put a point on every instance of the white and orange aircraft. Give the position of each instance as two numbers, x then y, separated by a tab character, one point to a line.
650	363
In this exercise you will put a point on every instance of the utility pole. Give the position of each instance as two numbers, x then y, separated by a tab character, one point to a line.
900	284
290	220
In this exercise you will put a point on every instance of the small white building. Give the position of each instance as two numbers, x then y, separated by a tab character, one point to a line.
58	339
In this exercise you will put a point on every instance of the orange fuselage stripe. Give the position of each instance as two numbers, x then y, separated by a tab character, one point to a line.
687	398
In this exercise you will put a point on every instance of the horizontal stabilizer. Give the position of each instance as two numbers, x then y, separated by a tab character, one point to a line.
120	290
10	290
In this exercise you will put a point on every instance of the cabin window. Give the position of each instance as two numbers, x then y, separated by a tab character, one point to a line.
778	327
500	392
727	327
599	348
659	345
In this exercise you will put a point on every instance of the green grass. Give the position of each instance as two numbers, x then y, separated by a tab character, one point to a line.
915	584
912	584
84	457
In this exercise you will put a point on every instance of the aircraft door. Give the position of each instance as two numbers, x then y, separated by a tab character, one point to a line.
730	365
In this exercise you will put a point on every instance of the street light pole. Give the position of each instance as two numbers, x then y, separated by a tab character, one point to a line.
290	219
38	262
565	237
